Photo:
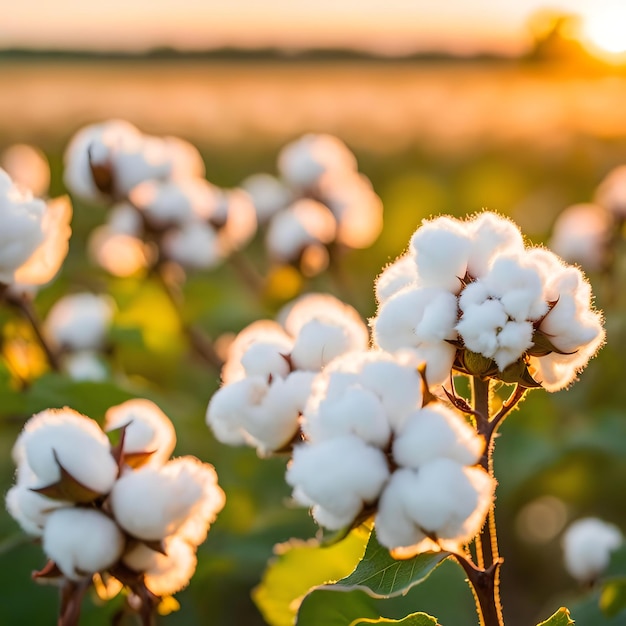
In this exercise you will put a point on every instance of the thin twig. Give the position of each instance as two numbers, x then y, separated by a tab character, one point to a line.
508	405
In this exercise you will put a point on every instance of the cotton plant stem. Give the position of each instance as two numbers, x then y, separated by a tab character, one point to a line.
24	305
485	579
248	273
200	342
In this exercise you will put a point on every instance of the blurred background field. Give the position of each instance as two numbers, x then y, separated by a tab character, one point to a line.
525	139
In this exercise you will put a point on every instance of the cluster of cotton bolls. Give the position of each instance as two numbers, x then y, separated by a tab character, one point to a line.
373	448
587	547
126	510
584	233
34	236
320	199
469	295
270	367
77	326
162	204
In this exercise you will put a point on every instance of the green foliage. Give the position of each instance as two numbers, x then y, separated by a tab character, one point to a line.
333	606
613	597
383	576
415	619
560	618
300	565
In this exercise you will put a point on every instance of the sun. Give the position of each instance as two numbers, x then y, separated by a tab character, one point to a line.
605	30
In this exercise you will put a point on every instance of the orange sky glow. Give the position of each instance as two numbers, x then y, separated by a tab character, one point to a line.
393	26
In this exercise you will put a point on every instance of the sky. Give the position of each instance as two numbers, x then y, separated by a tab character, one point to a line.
388	26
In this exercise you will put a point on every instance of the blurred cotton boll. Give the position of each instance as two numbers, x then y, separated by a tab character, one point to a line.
611	193
33	235
82	541
587	547
85	365
236	220
28	167
305	161
195	245
63	438
149	435
80	321
119	254
581	234
268	194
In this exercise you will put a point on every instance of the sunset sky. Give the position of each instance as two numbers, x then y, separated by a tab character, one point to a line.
382	25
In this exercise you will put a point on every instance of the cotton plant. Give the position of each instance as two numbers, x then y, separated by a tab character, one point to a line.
318	204
383	434
34	241
114	516
77	327
268	374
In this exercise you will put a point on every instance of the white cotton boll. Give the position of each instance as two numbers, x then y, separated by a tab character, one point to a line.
357	411
29	509
441	247
611	192
491	235
164	574
194	245
340	475
147	429
267	359
273	339
229	404
268	194
437	431
303	162
442	498
513	340
239	224
85	365
21	227
587	547
123	218
414	316
82	541
479	327
305	222
76	441
184	158
119	254
395	277
581	234
153	502
80	321
318	343
272	419
95	140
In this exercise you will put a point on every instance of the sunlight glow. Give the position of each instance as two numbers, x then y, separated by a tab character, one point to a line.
606	30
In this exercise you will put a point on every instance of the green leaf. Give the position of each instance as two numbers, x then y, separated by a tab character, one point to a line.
613	597
560	618
334	606
382	576
299	566
415	619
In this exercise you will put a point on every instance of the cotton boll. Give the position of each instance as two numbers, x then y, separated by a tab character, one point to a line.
28	167
194	245
29	509
119	254
581	234
229	403
273	340
80	321
147	429
357	411
306	222
491	235
303	162
152	502
82	541
442	499
85	365
611	192
318	343
268	194
441	247
76	442
239	223
436	431
184	158
587	547
164	574
123	218
395	277
340	475
267	359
